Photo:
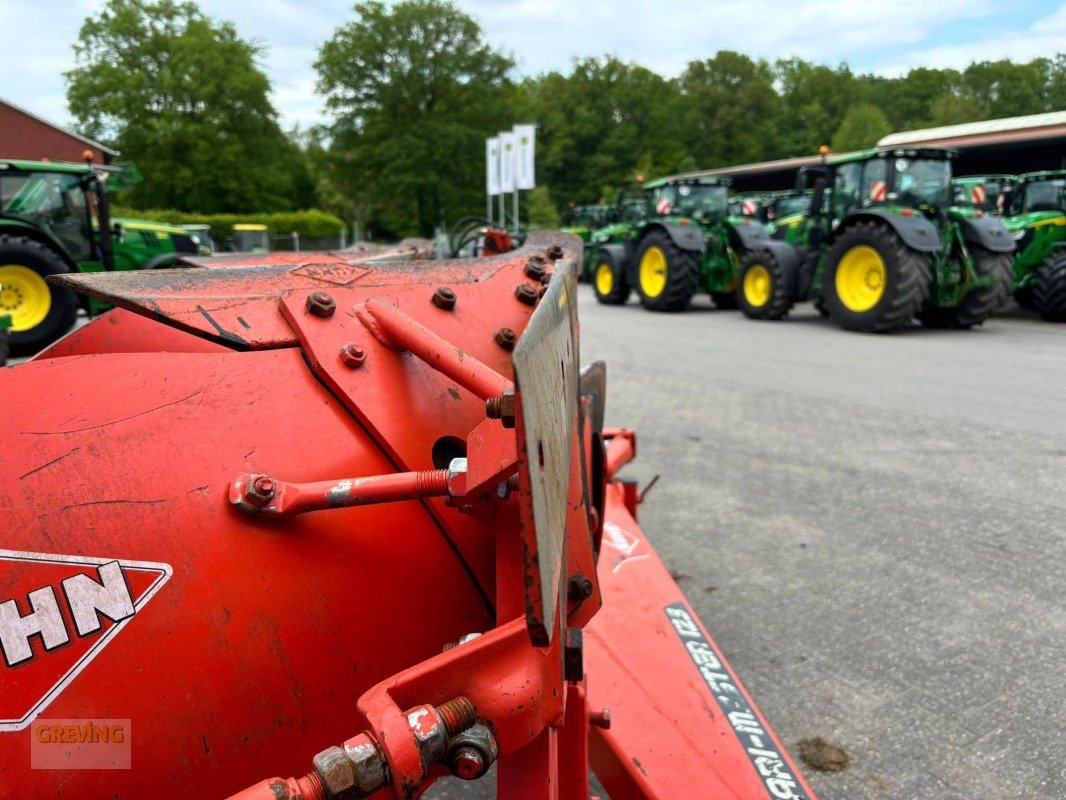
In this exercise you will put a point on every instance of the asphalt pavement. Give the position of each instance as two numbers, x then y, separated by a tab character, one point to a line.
872	528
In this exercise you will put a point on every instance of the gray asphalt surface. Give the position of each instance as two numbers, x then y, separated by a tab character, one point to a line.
871	527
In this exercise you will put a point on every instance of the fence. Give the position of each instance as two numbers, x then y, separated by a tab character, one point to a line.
294	243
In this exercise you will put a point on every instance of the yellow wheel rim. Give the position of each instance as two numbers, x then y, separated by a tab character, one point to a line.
860	278
25	296
653	272
757	286
604	278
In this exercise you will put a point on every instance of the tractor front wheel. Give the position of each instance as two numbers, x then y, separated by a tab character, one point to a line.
762	290
1050	294
873	281
667	276
40	312
981	302
609	281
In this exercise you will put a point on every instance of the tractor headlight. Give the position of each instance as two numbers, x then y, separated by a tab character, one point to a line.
1018	234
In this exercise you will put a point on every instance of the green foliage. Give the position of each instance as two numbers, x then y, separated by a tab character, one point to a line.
184	97
542	211
414	89
312	224
863	125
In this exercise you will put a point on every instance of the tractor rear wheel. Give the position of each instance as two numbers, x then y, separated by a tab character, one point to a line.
873	281
1050	294
667	276
4	346
40	312
609	281
981	302
762	288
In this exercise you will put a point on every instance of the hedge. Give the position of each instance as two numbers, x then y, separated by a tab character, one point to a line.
311	224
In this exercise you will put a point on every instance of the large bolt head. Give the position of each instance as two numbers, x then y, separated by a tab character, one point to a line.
505	338
262	490
320	304
526	294
371	772
352	355
444	298
534	269
337	772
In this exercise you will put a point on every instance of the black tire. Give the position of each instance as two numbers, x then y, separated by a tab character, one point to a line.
1050	293
23	252
907	278
980	303
682	276
751	292
614	293
4	346
1024	298
724	300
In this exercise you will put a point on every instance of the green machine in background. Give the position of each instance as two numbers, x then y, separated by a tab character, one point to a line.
882	243
686	242
1036	218
985	193
54	219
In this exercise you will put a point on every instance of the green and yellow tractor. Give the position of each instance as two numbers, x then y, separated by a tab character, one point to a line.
985	193
54	219
1037	221
686	242
881	244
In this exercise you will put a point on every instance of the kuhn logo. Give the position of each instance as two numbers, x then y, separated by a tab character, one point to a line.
56	614
625	545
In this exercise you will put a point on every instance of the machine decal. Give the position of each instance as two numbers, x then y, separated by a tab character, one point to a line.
623	543
776	774
57	613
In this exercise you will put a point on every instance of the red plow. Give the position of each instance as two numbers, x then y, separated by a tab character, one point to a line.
355	522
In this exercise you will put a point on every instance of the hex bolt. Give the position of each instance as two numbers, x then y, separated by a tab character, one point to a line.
526	294
555	252
505	338
468	764
580	588
444	298
457	715
320	304
262	491
502	407
353	355
600	719
534	269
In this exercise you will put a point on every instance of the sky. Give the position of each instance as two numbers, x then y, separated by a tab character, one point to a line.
882	36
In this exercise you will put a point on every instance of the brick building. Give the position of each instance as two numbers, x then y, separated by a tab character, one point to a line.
25	135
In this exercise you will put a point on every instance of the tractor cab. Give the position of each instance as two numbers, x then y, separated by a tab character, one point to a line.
984	193
1035	215
250	238
698	198
1039	191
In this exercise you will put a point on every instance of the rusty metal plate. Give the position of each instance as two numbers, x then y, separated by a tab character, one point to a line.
546	381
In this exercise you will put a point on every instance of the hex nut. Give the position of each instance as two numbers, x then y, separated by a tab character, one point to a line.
444	298
336	771
320	304
526	294
352	355
505	338
371	772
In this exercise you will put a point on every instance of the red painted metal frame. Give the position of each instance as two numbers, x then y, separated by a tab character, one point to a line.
426	373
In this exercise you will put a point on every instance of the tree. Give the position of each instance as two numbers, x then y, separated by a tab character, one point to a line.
814	99
730	109
601	125
183	96
862	127
415	90
542	211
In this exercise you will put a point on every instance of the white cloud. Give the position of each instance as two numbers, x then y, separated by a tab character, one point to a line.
547	34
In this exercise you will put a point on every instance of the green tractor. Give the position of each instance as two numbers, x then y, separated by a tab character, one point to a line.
54	219
885	246
985	193
1036	209
685	241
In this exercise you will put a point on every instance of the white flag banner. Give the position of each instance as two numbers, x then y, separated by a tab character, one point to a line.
526	142
507	162
492	166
